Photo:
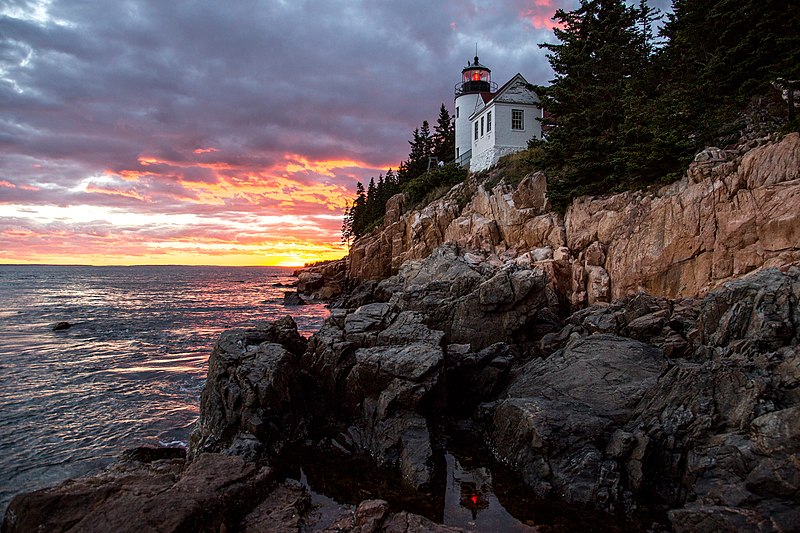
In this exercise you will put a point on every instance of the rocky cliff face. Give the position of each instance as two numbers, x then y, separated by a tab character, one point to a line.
689	407
734	212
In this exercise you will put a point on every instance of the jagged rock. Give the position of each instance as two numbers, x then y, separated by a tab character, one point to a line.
555	420
370	515
281	512
253	387
690	237
138	497
381	370
308	281
292	299
405	522
477	303
323	281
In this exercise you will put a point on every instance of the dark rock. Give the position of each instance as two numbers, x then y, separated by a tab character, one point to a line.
201	497
474	303
60	326
253	387
474	378
281	512
405	522
370	515
361	294
147	454
558	414
381	371
292	299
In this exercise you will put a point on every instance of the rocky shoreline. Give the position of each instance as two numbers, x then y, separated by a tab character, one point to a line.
627	362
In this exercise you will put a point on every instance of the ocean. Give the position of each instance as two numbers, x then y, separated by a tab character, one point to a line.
129	371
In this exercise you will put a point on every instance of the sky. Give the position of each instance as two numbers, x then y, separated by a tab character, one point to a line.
225	133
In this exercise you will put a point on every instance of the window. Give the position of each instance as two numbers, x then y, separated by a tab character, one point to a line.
489	122
517	119
457	154
476	131
456	111
482	126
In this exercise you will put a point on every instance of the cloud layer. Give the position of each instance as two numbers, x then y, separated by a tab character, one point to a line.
224	132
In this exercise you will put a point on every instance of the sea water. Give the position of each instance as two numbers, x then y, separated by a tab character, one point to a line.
129	371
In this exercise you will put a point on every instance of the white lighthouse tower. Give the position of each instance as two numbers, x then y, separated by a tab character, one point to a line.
475	79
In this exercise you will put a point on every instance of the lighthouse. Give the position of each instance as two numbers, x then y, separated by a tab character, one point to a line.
475	79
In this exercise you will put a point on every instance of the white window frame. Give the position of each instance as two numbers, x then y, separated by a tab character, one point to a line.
488	122
521	116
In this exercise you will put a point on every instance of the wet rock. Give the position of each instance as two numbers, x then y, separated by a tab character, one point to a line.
60	326
281	512
292	299
148	454
134	499
253	387
405	522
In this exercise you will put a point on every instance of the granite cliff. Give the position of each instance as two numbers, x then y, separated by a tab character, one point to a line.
734	211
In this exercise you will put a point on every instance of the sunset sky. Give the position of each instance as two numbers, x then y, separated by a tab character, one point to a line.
231	133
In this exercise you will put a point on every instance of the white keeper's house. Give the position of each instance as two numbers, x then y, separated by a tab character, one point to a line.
492	122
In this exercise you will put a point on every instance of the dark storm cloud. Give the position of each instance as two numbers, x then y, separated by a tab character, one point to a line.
102	82
210	107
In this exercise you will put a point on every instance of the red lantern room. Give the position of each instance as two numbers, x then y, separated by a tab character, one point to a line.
475	78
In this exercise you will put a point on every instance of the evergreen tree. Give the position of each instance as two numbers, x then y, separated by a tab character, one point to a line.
372	202
347	226
444	136
595	59
358	211
722	53
417	162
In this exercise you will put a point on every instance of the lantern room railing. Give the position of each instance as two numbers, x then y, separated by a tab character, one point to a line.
478	86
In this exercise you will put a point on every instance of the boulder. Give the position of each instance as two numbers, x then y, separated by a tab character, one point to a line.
380	371
253	387
132	497
292	299
558	414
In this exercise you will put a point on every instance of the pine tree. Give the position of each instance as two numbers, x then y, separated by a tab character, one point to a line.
372	208
358	211
594	61
347	226
444	136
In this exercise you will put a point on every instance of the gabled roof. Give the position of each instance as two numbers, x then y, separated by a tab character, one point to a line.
488	97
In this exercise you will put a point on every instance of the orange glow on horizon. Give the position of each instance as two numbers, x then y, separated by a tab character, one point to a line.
163	212
282	259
